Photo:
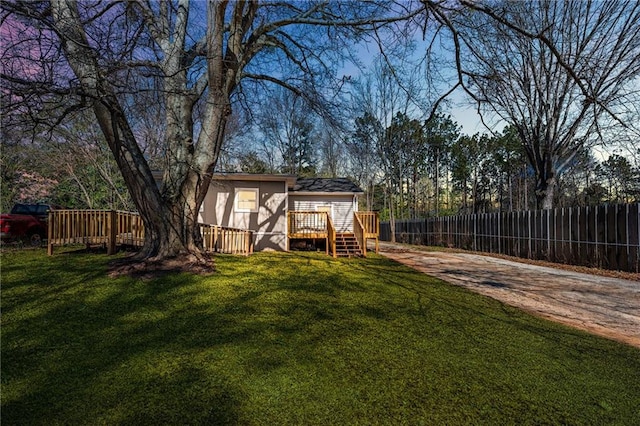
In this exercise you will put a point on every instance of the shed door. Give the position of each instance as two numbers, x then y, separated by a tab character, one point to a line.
326	208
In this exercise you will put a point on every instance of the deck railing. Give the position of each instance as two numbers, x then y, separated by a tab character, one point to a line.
112	228
312	225
371	226
318	225
221	239
108	227
307	224
371	223
129	229
331	238
360	234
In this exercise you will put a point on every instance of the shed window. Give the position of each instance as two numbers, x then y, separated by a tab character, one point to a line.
247	200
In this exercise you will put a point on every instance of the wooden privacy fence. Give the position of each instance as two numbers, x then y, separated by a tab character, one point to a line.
112	228
603	236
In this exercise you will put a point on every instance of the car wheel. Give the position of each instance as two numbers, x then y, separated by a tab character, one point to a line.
35	239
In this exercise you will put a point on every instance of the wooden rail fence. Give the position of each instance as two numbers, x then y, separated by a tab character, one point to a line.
112	228
606	236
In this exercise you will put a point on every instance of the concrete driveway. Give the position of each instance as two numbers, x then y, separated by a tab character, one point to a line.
609	307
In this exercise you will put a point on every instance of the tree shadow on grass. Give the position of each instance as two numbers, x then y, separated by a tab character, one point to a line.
429	293
85	348
186	349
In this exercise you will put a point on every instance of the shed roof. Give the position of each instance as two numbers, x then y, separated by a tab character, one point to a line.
290	179
326	185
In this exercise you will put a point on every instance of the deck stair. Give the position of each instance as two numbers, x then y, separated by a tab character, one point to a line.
347	245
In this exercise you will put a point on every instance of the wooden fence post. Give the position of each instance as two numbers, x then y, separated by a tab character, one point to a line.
112	232
50	234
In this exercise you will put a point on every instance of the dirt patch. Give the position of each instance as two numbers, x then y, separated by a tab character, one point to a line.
150	269
396	250
603	305
633	276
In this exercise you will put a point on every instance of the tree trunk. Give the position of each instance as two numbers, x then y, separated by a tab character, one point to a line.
392	217
474	193
465	197
545	191
526	188
437	186
510	192
170	213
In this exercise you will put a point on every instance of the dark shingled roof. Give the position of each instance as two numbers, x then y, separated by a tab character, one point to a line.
325	185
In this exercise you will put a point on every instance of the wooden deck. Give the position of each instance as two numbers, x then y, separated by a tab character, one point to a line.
314	225
117	228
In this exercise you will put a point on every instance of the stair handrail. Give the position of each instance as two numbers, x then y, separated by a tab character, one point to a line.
371	223
331	236
359	233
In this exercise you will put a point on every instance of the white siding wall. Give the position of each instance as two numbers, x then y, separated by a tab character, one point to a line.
342	207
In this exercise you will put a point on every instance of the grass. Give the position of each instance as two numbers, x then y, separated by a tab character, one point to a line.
282	338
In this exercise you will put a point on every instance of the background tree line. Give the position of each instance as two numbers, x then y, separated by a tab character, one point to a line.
190	88
409	169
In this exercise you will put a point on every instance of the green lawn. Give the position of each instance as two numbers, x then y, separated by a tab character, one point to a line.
291	339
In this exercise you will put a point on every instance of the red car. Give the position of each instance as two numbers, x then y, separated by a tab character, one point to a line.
26	222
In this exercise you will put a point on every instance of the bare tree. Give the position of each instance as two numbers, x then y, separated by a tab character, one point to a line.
560	72
361	147
78	150
377	98
288	124
331	152
16	159
102	55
